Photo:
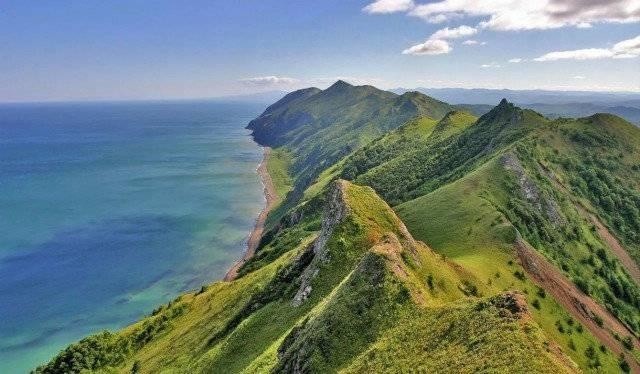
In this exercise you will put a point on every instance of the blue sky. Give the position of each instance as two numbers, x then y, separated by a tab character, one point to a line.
86	50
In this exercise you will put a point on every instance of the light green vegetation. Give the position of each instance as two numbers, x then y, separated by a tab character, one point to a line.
545	214
370	279
175	335
321	127
464	337
278	165
408	175
462	221
338	283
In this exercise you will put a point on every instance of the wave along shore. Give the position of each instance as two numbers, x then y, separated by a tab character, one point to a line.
271	197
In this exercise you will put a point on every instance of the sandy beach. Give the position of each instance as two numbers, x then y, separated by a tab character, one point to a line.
256	234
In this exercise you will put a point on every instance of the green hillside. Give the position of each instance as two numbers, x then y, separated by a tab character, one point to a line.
347	292
414	237
320	127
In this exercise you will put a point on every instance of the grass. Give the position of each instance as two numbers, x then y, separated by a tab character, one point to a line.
464	337
377	299
278	166
462	221
320	128
184	338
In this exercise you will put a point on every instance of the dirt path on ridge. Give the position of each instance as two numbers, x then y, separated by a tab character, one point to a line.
578	304
630	265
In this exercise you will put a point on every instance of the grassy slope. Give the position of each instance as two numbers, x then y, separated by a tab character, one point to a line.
408	175
488	252
180	340
370	280
278	165
463	337
461	221
417	133
319	128
469	215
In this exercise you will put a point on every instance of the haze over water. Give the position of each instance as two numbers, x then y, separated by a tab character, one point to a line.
108	210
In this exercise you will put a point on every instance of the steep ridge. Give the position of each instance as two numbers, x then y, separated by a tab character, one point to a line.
450	154
320	127
323	305
580	305
338	283
522	197
468	221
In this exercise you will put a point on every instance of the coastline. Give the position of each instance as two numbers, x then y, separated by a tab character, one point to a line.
253	240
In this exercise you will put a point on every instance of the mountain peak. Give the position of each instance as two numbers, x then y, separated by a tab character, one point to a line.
340	84
503	107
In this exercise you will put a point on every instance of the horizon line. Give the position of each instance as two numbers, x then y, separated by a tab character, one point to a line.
242	96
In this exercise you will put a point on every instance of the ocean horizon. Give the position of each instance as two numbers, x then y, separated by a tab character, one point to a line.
110	209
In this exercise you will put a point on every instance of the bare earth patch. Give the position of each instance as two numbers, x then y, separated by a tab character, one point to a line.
581	306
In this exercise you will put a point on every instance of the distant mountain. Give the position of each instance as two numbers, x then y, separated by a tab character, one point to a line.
322	126
575	110
571	110
421	239
492	96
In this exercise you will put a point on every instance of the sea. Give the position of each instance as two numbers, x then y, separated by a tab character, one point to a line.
110	209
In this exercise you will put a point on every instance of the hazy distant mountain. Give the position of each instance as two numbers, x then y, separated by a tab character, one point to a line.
322	126
491	96
572	110
414	237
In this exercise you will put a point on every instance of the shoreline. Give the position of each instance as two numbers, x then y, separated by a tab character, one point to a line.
253	240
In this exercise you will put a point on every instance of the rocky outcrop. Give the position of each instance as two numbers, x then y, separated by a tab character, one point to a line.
511	304
530	190
335	211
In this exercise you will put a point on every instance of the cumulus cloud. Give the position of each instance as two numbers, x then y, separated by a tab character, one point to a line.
388	6
455	33
629	48
518	14
437	43
578	54
429	47
270	80
473	42
515	60
491	65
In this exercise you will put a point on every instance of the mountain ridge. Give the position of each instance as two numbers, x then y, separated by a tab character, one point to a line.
412	248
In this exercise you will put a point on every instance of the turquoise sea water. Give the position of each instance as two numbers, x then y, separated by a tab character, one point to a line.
108	210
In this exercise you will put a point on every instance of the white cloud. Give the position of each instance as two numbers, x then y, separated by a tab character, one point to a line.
580	77
388	6
473	42
578	54
270	80
520	14
440	18
629	48
455	33
437	44
491	65
429	47
515	60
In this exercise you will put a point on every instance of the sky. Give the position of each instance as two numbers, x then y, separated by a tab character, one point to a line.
131	49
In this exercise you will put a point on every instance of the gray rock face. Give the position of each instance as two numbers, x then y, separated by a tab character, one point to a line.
335	211
530	191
